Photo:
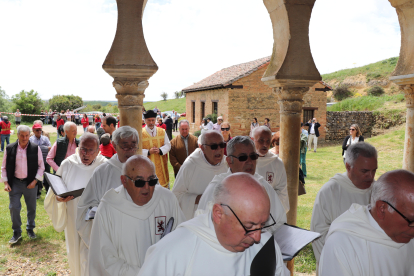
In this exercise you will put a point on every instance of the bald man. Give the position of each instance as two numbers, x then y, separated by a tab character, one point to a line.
130	219
221	241
91	129
375	239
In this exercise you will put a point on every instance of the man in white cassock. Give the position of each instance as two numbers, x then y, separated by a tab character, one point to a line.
198	170
376	239
104	178
242	157
130	219
76	170
269	165
223	240
337	195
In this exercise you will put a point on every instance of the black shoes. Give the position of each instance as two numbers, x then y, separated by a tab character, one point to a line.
31	234
16	237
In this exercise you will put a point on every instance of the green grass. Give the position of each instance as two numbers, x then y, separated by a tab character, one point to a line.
365	103
168	105
321	167
377	70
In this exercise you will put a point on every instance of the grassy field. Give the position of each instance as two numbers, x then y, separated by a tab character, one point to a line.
168	105
366	103
377	70
47	254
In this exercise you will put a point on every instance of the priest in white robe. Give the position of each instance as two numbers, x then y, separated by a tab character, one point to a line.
198	170
269	165
376	239
216	242
338	194
242	157
104	178
130	219
76	170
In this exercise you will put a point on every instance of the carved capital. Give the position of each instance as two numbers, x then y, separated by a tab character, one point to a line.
130	93
290	99
409	94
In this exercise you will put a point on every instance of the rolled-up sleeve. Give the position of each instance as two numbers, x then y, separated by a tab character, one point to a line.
40	165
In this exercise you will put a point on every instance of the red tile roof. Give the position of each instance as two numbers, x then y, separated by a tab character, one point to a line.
227	76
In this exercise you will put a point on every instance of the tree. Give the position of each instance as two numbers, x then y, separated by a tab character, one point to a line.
64	102
341	93
164	95
96	107
28	102
177	94
4	101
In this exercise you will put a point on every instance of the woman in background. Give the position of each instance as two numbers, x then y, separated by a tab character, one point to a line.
225	131
267	123
98	121
354	136
253	125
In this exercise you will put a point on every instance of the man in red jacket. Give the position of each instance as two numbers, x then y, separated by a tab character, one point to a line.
59	122
5	131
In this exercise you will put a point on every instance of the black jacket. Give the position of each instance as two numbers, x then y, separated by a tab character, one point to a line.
316	127
169	123
345	146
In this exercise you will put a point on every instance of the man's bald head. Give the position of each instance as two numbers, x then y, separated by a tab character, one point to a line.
137	162
209	146
262	137
394	188
242	194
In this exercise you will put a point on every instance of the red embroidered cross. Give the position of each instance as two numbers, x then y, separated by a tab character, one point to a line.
160	226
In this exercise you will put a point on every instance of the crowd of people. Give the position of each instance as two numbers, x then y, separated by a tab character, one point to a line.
229	196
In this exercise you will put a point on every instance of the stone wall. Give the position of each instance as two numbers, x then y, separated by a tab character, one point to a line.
338	123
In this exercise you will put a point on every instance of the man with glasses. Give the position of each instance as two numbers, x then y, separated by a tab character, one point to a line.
104	178
45	146
224	239
130	219
269	165
242	157
375	239
76	172
344	189
156	145
182	146
198	170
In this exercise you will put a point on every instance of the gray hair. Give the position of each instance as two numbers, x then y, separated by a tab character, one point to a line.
67	125
89	136
23	128
221	193
203	138
183	122
260	129
355	150
139	158
124	132
199	140
383	190
38	122
244	140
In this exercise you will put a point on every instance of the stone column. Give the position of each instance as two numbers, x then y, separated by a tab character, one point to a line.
291	73
403	74
130	64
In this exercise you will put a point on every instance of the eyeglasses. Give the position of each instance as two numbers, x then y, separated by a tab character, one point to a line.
215	146
225	129
242	158
125	147
38	129
250	231
352	129
410	223
87	151
139	183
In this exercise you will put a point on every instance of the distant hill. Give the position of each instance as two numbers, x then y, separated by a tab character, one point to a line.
360	79
168	105
102	103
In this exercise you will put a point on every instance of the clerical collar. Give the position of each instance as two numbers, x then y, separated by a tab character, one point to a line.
202	154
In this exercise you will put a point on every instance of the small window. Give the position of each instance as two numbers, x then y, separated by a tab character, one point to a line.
203	109
308	115
193	111
215	107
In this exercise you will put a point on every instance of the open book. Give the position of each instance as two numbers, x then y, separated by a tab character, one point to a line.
90	213
59	188
292	240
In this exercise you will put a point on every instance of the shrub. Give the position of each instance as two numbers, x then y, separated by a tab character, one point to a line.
341	92
376	91
213	117
197	133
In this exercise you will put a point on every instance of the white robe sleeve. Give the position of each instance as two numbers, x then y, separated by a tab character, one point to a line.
181	191
167	145
276	207
281	187
145	152
109	254
56	211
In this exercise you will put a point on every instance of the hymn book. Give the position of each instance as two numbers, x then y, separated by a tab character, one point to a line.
292	240
59	188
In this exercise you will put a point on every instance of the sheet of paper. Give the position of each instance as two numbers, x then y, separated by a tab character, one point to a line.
90	214
291	239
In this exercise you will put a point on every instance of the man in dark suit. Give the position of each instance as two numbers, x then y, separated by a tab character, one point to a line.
182	146
22	167
313	133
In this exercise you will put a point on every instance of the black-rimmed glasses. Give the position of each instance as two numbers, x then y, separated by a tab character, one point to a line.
139	183
410	222
225	129
243	158
87	151
216	146
250	231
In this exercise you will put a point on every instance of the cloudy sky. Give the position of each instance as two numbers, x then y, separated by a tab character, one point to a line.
58	47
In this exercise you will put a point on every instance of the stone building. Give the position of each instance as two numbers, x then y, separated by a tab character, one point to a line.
238	94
